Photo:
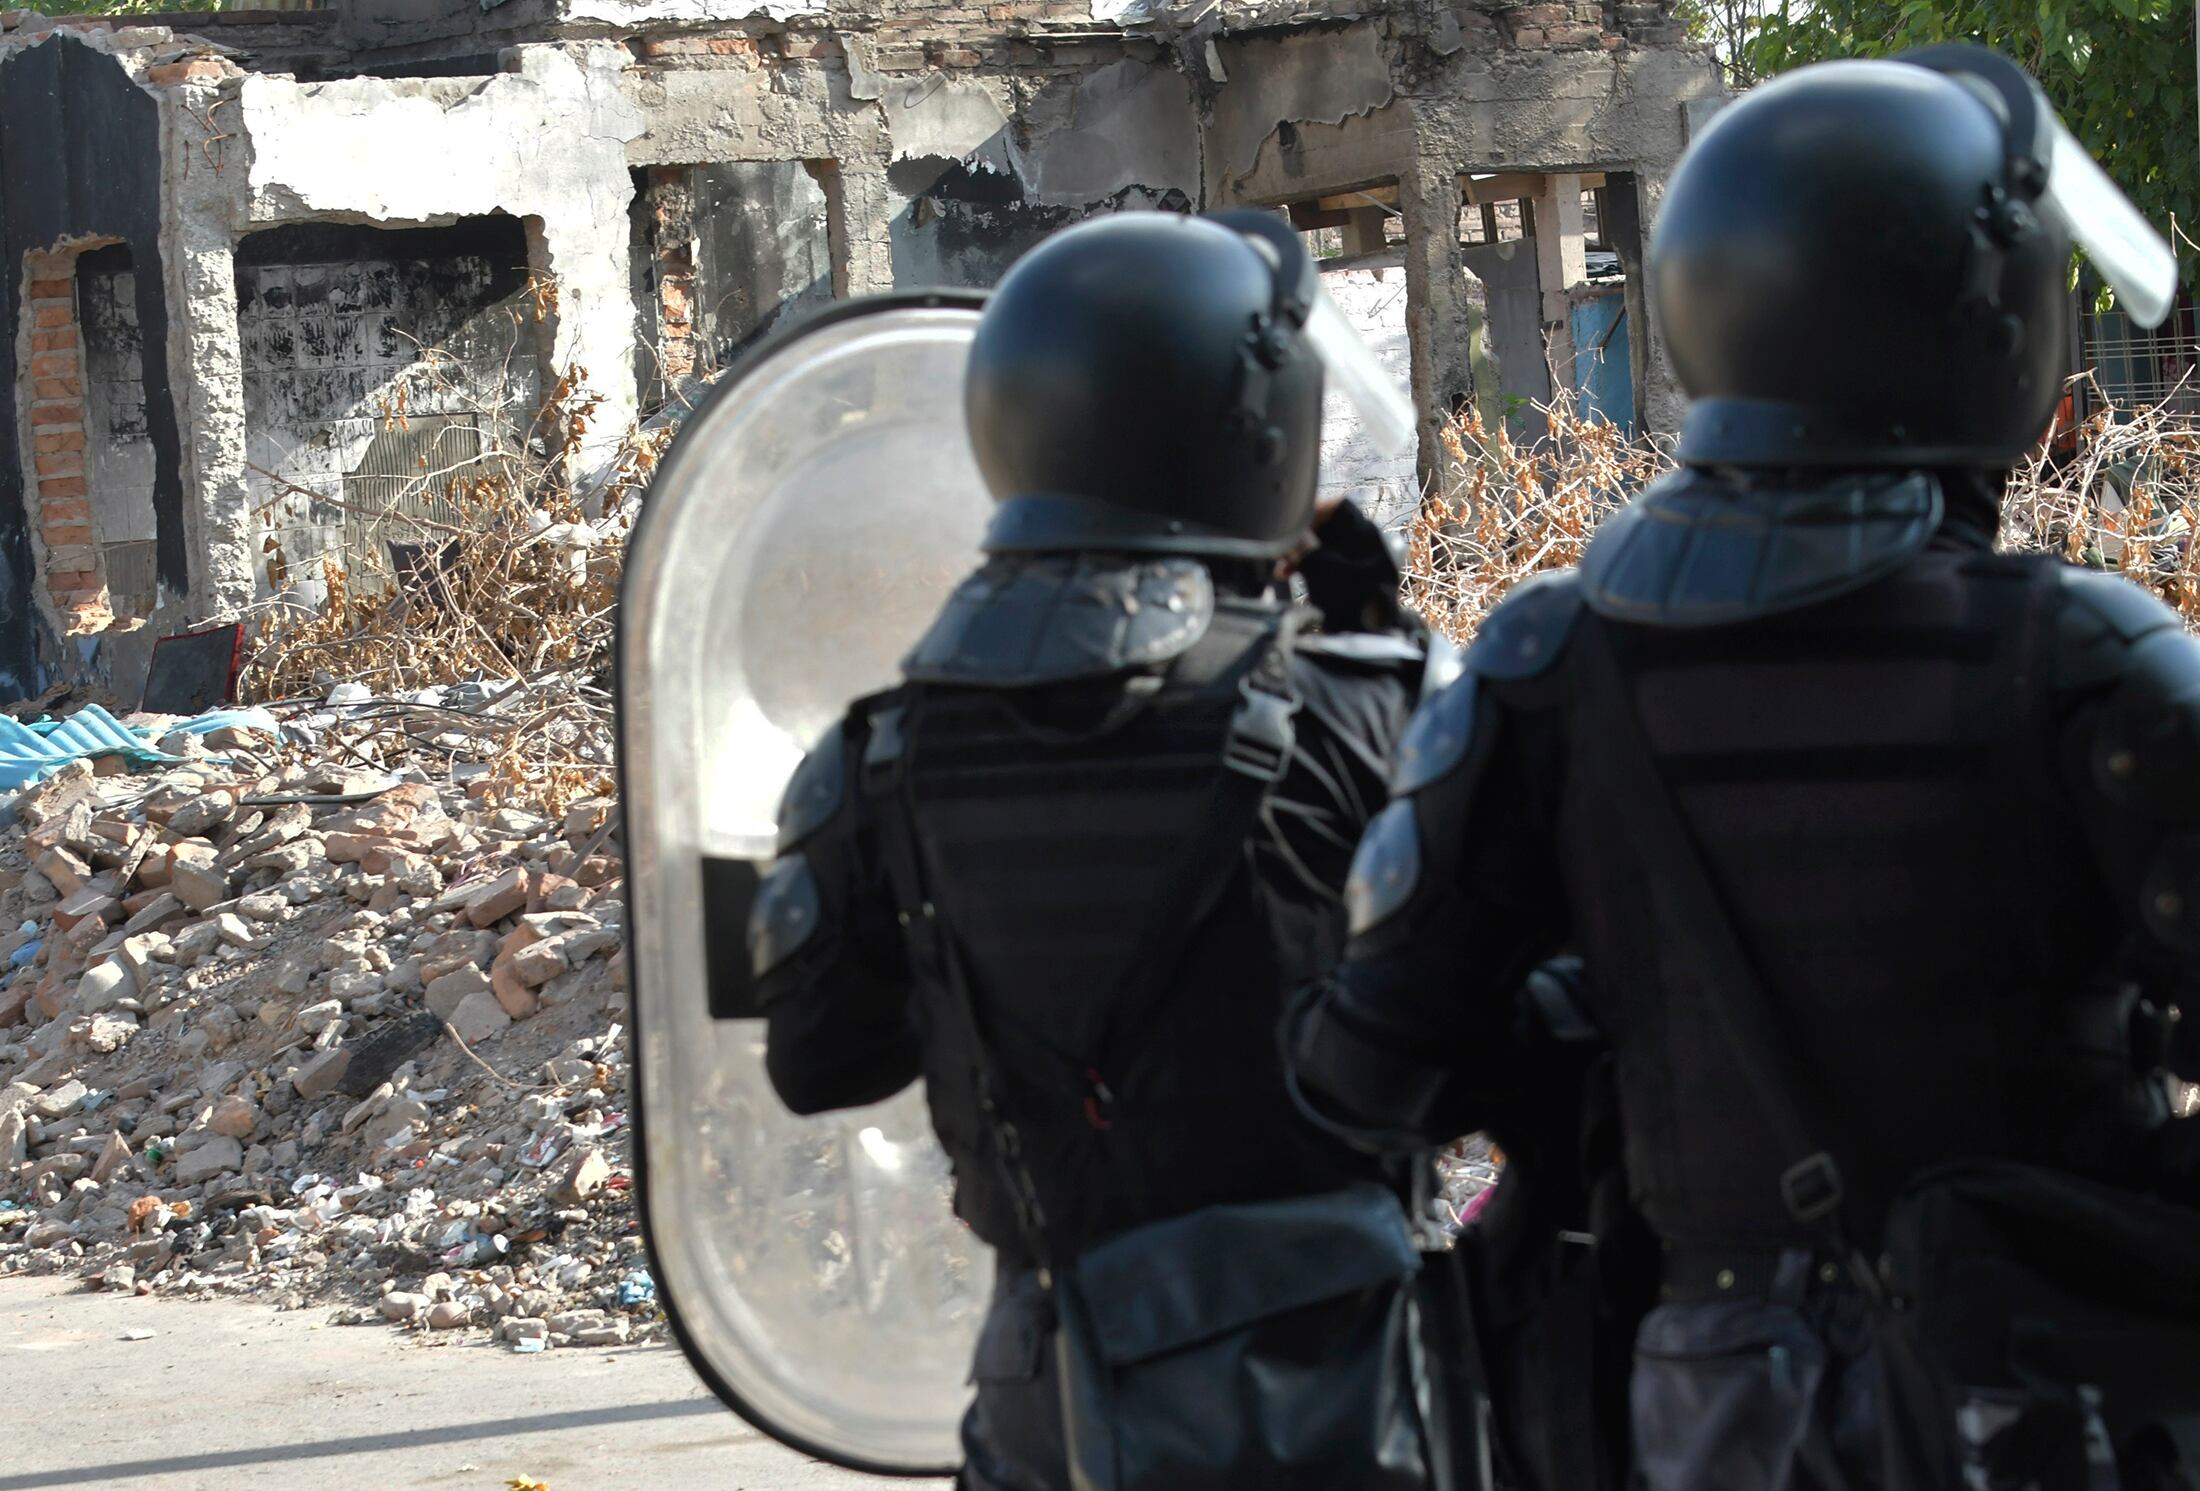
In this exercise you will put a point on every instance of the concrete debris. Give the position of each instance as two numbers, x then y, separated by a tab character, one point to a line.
228	990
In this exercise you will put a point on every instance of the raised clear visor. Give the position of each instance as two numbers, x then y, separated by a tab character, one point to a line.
2135	259
808	522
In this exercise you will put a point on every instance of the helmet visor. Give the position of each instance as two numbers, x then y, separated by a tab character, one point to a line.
1386	413
2134	259
1348	362
2078	195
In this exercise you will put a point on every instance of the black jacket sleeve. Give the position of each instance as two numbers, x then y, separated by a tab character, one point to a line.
2126	679
1455	898
836	989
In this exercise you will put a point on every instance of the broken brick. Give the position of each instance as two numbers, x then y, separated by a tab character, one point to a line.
196	70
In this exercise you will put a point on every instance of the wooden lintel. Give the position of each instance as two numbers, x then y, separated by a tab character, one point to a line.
1306	216
1511	186
1373	196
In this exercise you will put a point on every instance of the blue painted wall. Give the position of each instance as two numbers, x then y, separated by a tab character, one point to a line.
1604	368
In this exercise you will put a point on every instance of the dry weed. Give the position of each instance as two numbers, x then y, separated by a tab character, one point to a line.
515	591
1507	511
2126	498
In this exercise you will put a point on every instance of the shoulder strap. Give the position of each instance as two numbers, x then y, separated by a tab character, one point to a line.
1787	1092
887	781
1256	752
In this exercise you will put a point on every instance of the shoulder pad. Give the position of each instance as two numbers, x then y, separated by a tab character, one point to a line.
1696	549
1386	869
1436	739
785	915
2102	616
816	790
1025	620
1520	639
1528	630
2146	752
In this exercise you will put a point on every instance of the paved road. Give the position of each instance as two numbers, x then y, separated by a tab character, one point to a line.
229	1396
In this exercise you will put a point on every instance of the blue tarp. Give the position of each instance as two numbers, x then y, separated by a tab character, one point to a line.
29	753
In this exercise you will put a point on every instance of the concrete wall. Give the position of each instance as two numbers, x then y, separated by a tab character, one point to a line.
685	173
546	143
725	252
1512	299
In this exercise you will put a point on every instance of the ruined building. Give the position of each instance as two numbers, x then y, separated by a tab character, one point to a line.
239	243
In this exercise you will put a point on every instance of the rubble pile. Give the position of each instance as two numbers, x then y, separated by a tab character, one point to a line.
299	1013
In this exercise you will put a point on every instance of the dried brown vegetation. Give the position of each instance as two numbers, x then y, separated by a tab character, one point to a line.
2126	497
514	589
1508	510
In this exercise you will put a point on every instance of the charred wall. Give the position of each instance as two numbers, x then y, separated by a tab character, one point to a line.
379	366
80	163
723	253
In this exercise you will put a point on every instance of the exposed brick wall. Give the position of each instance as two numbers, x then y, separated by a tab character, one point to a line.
671	205
74	576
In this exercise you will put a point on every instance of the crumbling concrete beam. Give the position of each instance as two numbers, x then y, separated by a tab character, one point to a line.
547	142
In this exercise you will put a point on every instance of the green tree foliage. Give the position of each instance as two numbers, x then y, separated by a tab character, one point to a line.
2121	72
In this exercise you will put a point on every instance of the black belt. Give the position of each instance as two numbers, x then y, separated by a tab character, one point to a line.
1694	1275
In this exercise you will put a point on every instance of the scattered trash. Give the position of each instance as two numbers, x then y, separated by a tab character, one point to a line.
138	1333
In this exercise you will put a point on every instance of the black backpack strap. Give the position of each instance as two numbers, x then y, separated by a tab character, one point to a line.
1256	753
1789	1094
885	779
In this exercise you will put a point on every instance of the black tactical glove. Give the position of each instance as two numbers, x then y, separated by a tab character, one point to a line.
1351	577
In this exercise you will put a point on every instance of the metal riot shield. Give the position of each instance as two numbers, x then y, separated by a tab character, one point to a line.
807	523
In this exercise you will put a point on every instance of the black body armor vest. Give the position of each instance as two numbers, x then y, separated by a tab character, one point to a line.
1873	781
1054	823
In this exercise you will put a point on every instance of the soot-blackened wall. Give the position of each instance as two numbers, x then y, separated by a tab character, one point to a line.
724	253
378	363
121	461
79	161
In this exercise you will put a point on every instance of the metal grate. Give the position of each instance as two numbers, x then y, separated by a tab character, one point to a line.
405	476
131	578
2136	367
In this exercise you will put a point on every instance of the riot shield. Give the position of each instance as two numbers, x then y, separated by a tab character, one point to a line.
807	523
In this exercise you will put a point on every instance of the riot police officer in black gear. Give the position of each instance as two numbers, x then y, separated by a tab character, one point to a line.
1947	799
1134	770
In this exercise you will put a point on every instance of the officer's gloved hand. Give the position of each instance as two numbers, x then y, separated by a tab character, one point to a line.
1350	575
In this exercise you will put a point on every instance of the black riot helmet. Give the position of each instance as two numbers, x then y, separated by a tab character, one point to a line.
1144	383
1865	264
